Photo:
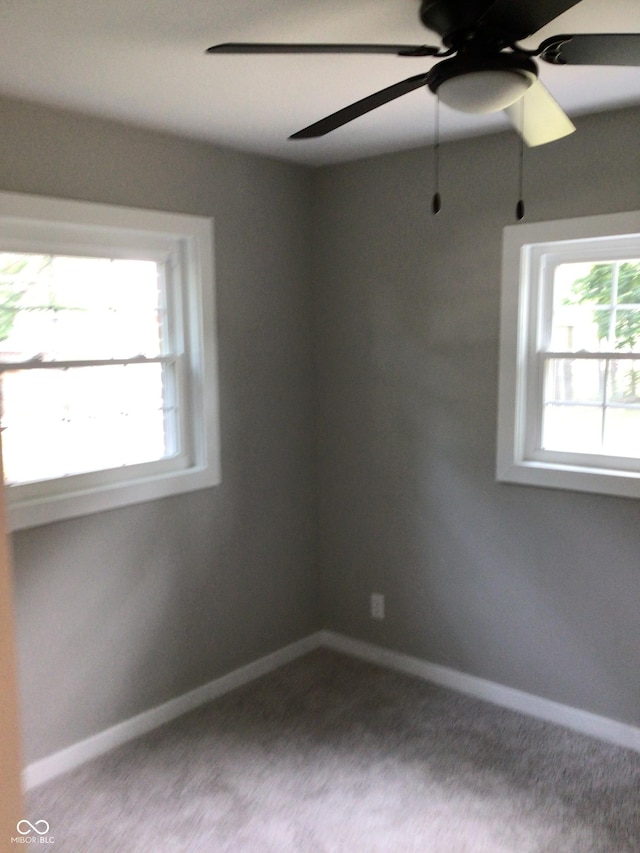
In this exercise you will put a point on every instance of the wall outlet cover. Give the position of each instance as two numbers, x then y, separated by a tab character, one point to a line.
377	605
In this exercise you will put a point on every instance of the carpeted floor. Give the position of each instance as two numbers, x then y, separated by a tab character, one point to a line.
331	754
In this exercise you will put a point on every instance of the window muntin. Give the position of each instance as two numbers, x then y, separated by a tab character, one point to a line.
130	411
569	397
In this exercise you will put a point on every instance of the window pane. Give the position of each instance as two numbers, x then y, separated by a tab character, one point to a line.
67	308
627	330
575	429
582	294
623	381
573	405
596	307
622	418
574	380
629	282
622	432
61	422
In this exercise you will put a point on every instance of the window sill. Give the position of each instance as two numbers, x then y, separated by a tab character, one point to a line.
578	479
34	511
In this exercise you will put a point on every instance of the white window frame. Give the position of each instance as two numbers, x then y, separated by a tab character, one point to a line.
185	243
530	251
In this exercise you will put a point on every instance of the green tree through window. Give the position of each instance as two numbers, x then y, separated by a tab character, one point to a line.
10	296
616	288
597	288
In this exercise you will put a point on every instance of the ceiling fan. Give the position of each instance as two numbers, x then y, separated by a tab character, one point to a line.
482	69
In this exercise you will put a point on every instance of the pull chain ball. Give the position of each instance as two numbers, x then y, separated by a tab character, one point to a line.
520	204
436	202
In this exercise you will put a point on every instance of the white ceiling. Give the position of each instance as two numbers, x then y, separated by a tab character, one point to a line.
145	63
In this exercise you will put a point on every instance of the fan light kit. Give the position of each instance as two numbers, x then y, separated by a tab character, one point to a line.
485	86
483	91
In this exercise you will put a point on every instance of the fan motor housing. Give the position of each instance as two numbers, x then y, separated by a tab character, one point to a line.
463	23
446	17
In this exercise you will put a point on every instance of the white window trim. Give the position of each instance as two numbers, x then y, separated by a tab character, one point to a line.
523	246
58	224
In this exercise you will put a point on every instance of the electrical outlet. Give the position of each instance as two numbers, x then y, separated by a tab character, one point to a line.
377	605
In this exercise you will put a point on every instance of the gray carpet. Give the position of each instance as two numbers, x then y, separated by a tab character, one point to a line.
332	755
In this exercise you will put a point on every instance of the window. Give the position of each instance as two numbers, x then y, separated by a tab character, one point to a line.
107	357
569	400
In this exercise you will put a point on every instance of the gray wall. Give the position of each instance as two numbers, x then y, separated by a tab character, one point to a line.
533	588
121	611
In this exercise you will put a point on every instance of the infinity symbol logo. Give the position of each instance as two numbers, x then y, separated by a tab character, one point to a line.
41	827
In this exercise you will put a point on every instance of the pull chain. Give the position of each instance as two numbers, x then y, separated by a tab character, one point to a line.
520	204
436	203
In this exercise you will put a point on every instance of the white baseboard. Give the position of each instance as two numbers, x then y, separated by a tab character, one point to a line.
584	722
73	756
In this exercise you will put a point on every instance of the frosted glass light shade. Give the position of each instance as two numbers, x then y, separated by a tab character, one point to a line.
485	91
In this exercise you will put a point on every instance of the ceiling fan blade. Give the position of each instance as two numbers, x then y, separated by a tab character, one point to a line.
538	117
359	108
257	48
592	49
524	18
